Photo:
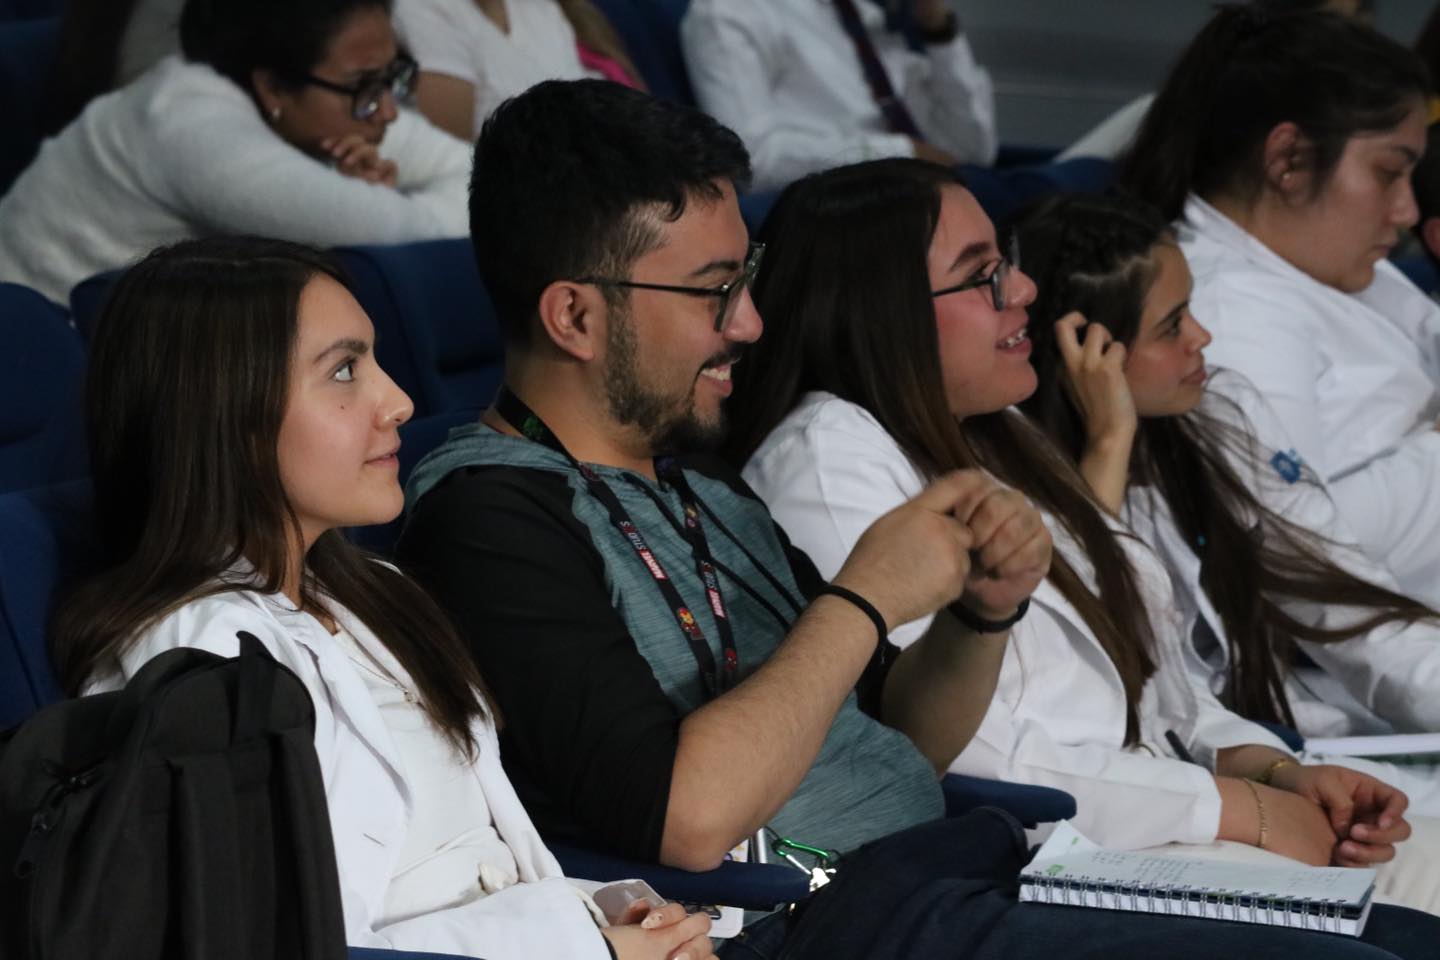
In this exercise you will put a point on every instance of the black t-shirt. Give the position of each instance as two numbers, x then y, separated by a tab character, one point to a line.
588	734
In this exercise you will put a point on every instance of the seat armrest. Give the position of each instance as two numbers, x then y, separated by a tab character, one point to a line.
752	886
1028	803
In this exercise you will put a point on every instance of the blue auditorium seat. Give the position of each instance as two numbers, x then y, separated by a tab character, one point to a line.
27	50
42	369
435	328
30	9
87	299
45	538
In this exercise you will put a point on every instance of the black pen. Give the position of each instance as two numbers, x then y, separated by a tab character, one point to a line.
1179	747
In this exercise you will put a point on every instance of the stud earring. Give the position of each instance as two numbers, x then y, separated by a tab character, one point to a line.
274	114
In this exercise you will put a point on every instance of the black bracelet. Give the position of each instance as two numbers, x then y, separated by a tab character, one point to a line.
865	606
611	947
979	624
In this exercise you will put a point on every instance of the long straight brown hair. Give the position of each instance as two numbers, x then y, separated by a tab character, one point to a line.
845	295
1097	255
187	388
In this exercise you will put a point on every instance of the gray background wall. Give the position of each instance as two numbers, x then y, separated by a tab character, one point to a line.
1061	67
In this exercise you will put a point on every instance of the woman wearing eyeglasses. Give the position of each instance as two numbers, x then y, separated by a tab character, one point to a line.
895	348
282	119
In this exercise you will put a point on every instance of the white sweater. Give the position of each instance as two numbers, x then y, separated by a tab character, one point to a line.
183	153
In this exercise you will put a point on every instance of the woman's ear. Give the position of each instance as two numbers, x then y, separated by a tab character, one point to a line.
267	93
573	318
1287	162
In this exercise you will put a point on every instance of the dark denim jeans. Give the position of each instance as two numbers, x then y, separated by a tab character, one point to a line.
947	889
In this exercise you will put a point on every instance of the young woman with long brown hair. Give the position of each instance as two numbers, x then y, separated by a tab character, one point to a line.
1236	523
237	420
895	344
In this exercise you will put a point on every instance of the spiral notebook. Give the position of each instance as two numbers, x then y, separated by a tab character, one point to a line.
1070	870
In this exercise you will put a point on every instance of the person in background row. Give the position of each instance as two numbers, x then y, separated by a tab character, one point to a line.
474	54
809	84
282	119
243	368
1283	144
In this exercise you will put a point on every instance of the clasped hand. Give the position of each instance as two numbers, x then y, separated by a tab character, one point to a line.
965	533
1366	816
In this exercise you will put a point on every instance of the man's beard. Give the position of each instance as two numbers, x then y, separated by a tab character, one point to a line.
654	415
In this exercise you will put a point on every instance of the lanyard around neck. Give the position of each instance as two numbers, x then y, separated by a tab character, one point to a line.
716	678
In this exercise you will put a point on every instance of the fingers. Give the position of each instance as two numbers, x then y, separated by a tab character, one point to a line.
957	493
1370	835
696	949
1010	535
1352	854
1335	799
1067	337
654	919
684	937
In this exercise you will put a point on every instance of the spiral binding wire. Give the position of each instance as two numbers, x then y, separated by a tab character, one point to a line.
1243	907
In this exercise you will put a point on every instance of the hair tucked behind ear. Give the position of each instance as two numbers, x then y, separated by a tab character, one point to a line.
1096	255
845	295
1253	67
186	392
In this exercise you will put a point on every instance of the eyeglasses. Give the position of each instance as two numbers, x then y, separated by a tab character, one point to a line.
998	280
397	79
727	295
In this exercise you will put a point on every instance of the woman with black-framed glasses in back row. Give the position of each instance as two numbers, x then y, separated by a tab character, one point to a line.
281	119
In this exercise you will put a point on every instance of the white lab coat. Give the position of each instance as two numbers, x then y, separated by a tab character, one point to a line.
366	786
1352	378
1058	716
1392	672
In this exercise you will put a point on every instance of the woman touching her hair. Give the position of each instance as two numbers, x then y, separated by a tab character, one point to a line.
895	345
1261	563
237	420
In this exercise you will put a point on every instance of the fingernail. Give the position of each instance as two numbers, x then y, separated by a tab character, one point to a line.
682	956
652	920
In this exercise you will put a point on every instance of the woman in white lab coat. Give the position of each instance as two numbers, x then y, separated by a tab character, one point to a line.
1130	399
895	342
1282	145
237	419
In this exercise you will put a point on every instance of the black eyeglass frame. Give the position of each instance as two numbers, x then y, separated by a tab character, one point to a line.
397	79
997	279
727	293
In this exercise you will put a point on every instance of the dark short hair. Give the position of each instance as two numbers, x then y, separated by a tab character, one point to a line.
564	175
1252	68
286	37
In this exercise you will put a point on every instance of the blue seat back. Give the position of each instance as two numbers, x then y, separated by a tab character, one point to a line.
42	371
46	538
651	31
87	301
436	330
27	51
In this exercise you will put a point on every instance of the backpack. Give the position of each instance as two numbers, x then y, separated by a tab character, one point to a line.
181	817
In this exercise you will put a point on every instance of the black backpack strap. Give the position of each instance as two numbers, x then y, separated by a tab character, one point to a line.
256	689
